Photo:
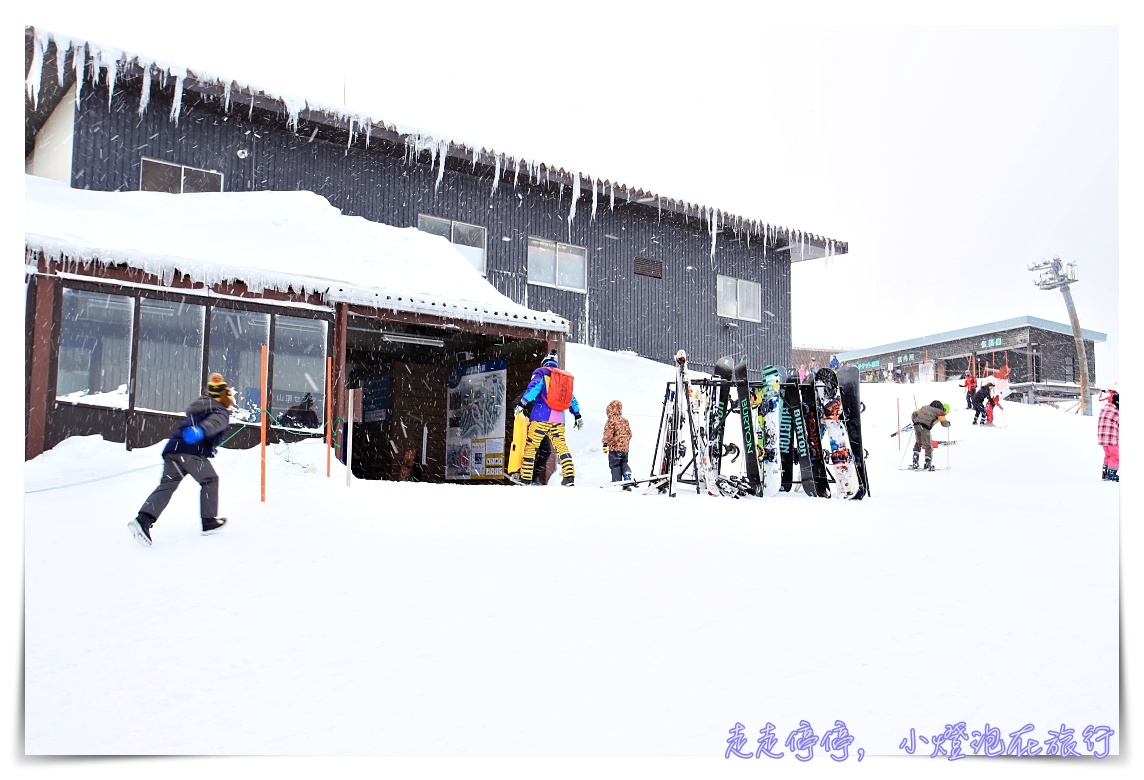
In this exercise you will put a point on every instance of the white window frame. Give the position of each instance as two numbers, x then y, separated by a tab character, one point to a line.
556	247
182	174
743	287
453	223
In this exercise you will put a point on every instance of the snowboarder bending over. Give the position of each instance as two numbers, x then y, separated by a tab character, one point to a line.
550	393
1108	436
193	441
617	437
923	420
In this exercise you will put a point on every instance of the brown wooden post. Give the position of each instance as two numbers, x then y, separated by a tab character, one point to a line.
39	371
339	372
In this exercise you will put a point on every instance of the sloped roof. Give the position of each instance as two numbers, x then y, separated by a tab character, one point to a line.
976	330
46	49
268	240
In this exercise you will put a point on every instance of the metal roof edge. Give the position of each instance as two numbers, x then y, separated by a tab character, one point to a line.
974	330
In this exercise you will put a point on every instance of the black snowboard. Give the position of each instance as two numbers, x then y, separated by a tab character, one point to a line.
852	408
814	439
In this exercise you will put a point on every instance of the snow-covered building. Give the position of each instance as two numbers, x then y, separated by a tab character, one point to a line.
1041	356
581	256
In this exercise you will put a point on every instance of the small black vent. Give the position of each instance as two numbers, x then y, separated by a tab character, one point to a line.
645	266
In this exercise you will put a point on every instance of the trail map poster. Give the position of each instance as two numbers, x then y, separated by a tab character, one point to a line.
474	439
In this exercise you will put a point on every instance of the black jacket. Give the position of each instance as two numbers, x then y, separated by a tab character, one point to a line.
208	414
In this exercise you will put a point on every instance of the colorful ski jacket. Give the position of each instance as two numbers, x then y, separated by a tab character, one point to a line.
537	394
1108	425
617	432
208	414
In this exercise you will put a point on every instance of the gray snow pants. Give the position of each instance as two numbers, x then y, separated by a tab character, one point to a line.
175	467
923	439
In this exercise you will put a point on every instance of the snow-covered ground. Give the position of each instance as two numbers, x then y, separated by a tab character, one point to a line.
409	619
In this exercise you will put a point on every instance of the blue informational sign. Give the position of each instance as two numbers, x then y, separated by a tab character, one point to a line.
375	394
474	439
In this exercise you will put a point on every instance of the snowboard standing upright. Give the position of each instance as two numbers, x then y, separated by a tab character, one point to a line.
747	420
836	447
814	439
852	408
769	413
798	454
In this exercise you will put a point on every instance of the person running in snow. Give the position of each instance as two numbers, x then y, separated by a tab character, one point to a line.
1108	436
546	421
969	382
617	437
193	441
923	420
980	397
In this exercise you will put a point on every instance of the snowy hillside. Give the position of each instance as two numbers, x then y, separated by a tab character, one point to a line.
412	619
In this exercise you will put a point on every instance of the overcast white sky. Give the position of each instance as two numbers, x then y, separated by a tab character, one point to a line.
948	157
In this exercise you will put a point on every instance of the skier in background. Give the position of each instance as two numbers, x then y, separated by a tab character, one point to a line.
616	439
802	372
1108	436
545	421
834	362
969	382
980	397
187	454
923	420
812	369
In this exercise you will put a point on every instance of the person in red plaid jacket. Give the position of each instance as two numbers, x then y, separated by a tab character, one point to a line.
1108	436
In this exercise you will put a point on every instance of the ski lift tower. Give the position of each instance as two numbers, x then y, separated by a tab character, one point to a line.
1056	275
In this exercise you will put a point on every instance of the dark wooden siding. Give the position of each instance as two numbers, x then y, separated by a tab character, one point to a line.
621	310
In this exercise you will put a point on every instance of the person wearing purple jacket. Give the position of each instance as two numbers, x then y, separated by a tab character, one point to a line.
546	421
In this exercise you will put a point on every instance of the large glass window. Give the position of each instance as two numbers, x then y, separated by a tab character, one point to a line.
554	264
170	371
158	176
739	298
236	353
299	365
95	348
469	239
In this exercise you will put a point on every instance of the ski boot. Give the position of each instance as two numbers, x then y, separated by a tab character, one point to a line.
568	481
929	465
1113	475
1104	473
914	465
140	528
515	479
212	524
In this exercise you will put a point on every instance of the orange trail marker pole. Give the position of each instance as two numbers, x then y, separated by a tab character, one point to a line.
265	411
329	413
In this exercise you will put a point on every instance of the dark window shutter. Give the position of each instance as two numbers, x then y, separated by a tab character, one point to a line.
647	267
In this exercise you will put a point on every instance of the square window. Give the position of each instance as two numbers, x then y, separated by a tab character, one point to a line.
554	264
159	176
468	239
738	298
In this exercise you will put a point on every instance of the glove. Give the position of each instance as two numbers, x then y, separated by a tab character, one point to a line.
605	449
579	422
518	409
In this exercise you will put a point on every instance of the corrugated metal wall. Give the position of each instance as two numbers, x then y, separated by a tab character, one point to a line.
621	310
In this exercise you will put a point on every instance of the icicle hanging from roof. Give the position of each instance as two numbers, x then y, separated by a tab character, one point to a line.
496	173
595	187
145	91
36	71
177	101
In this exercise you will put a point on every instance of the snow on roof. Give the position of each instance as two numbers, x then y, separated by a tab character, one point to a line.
268	240
113	61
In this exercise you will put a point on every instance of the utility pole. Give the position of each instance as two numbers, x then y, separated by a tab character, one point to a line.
1058	276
